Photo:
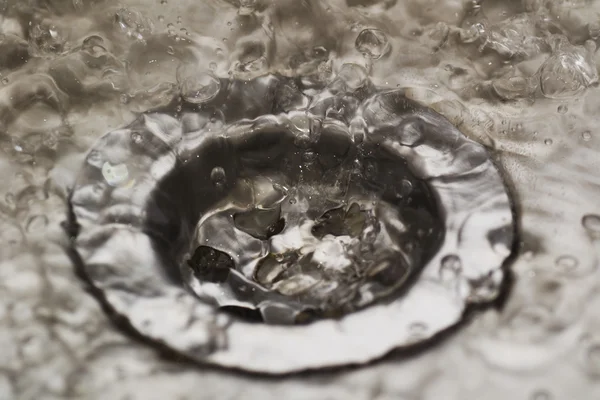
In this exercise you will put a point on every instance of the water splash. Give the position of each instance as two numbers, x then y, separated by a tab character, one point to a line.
294	218
59	95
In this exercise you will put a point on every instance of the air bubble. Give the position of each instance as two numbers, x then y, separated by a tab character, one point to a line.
352	77
586	136
450	267
562	109
591	222
198	88
475	32
567	263
541	395
136	138
548	142
372	43
36	224
511	88
218	177
46	38
566	73
417	328
115	175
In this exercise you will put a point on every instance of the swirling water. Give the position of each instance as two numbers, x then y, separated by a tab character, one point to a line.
519	78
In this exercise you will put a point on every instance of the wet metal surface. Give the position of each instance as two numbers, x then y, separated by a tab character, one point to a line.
518	78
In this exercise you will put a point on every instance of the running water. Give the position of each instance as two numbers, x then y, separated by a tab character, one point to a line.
518	79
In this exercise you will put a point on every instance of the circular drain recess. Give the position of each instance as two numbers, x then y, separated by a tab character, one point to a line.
352	223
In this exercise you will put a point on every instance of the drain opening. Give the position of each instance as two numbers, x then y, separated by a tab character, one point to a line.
304	233
382	221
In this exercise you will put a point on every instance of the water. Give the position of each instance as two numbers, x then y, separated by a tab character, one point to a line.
519	78
337	221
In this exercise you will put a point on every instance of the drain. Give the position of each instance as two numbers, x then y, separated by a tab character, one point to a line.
326	234
310	231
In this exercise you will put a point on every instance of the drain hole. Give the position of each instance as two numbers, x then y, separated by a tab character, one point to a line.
291	241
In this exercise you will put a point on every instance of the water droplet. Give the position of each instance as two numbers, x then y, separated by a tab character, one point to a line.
406	187
46	38
36	224
352	77
161	18
133	24
591	222
566	74
170	50
136	138
218	177
301	126
511	88
562	109
199	88
541	395
586	136
5	81
418	328
372	43
450	266
115	175
548	142
567	263
474	32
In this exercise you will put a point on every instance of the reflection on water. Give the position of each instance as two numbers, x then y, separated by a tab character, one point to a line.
518	77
